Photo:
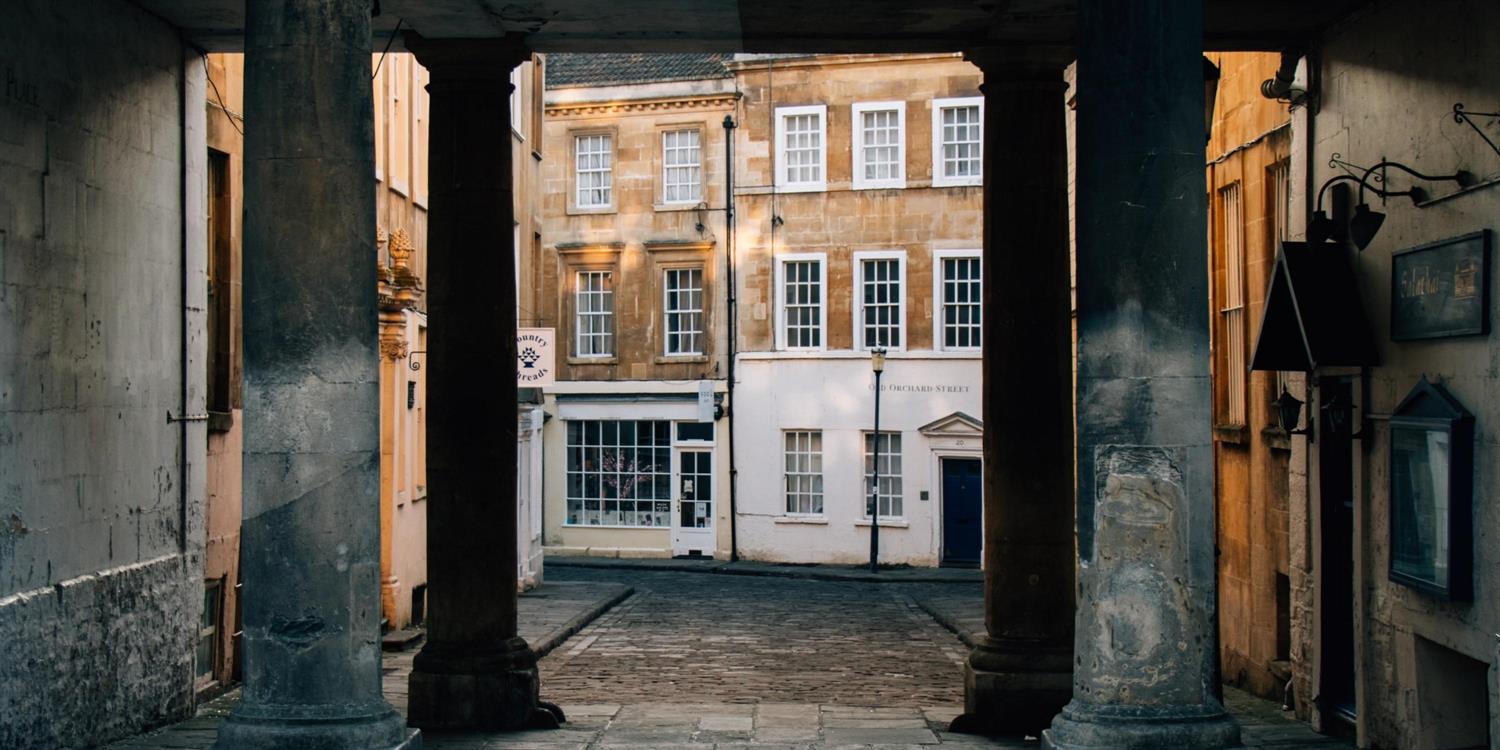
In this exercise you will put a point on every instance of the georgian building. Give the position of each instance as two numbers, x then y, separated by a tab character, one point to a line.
638	460
858	203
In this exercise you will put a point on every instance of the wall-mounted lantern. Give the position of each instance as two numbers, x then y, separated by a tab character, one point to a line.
1289	414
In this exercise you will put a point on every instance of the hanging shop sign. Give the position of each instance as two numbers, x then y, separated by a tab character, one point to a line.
1441	289
536	357
1431	493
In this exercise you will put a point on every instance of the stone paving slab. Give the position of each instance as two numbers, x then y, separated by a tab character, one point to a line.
894	574
546	617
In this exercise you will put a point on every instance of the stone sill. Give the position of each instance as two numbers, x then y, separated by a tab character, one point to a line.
1234	434
591	210
1276	439
593	360
687	359
694	206
809	520
893	523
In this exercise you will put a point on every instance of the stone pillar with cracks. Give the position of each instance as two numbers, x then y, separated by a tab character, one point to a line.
311	533
1146	663
475	671
1020	674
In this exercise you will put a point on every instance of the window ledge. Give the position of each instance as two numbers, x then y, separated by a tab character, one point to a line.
593	360
1276	438
879	186
891	523
694	206
818	187
809	520
680	359
576	211
1236	434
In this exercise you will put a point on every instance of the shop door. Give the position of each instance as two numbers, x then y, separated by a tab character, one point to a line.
693	519
963	509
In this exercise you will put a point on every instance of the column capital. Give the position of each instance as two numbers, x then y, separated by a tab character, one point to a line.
1027	66
487	60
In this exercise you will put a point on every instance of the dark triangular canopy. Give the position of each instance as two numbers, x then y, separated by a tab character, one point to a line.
1313	316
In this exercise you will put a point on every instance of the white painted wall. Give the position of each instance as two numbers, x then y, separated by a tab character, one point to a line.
834	392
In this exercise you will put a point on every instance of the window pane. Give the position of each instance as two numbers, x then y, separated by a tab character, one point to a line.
881	295
890	473
681	167
683	291
618	482
593	155
802	306
804	483
961	303
961	136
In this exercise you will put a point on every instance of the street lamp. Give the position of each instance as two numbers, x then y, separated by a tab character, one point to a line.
877	363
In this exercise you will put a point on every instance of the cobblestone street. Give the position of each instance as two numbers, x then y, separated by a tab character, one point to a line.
688	637
696	660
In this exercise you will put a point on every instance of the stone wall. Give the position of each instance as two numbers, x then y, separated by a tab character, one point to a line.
102	531
1389	79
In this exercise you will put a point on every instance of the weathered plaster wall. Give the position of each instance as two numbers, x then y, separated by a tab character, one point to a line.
1390	78
102	532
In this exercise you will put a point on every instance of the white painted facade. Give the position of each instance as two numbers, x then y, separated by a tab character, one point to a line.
675	402
835	392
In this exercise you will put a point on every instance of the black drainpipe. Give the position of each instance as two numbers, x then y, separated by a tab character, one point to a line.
734	545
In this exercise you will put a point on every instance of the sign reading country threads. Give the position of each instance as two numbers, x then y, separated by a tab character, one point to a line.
536	357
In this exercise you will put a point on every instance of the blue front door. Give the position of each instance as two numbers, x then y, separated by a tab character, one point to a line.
963	511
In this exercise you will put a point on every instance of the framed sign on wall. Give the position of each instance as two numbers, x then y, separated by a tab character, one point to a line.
1431	493
1441	289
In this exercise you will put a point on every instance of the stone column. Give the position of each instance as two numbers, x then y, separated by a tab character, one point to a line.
311	534
1145	673
1020	674
474	672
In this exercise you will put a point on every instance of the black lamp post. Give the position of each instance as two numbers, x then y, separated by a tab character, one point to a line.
877	363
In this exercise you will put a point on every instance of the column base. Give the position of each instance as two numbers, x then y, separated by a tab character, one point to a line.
242	730
1014	688
452	689
1088	727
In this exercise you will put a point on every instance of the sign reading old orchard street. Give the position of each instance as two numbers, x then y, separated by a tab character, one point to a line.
1442	289
536	357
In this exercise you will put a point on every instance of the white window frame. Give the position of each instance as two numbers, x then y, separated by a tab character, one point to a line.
857	135
780	293
786	493
515	102
938	105
782	184
891	456
697	168
939	318
578	313
667	312
610	171
859	296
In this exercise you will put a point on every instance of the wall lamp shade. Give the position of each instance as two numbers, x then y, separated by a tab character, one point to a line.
1365	224
877	360
1289	413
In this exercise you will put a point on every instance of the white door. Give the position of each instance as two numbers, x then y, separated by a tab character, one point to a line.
693	503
